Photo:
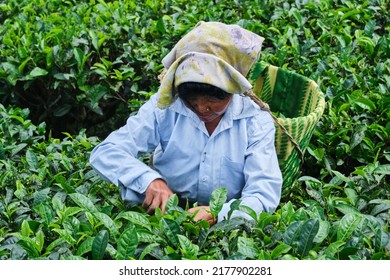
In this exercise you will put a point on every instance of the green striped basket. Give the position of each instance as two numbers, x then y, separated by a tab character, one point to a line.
297	105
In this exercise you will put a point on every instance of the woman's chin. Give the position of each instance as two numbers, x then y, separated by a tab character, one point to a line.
207	117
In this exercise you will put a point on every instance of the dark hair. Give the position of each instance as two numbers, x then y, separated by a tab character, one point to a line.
193	88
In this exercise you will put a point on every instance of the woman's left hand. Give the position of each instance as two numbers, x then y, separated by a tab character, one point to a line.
203	214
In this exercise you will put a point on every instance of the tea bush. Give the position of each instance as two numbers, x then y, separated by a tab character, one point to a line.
83	66
76	64
53	206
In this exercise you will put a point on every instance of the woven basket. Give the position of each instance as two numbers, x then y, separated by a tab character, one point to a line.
298	104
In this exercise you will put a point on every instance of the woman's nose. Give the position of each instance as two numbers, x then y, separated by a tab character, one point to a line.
201	105
202	108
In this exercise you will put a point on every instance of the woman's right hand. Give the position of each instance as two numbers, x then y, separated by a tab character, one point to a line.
156	195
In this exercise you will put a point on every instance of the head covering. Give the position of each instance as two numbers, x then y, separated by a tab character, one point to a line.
213	53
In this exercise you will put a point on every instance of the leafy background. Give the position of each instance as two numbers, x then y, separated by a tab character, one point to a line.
72	71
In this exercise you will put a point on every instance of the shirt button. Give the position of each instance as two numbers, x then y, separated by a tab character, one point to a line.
204	179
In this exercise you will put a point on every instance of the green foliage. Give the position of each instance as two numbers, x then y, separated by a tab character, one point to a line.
53	206
81	64
74	61
75	64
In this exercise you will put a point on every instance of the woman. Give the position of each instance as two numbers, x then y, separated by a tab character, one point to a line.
205	134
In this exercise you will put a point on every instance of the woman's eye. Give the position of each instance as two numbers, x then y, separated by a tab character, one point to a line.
194	99
213	99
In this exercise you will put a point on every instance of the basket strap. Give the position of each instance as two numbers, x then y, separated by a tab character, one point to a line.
264	106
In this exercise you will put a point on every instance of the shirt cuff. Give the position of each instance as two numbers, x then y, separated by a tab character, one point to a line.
141	183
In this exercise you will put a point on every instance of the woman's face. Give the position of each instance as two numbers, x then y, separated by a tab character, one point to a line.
206	107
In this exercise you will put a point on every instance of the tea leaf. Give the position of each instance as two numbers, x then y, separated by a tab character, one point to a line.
357	137
32	159
173	201
39	240
189	249
54	244
352	195
127	244
25	229
249	211
218	198
78	54
73	258
83	202
20	192
247	247
280	250
65	235
379	209
70	211
234	206
171	230
41	197
85	246
347	226
99	245
308	232
343	178
160	26
135	217
301	234
382	239
147	250
29	245
266	219
383	169
286	212
36	72
347	209
45	211
299	215
2	151
146	236
107	222
63	183
17	148
323	231
334	248
369	28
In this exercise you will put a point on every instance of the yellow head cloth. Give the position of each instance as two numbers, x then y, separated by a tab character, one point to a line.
213	53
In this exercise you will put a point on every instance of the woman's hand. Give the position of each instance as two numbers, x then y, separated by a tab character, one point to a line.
203	214
156	195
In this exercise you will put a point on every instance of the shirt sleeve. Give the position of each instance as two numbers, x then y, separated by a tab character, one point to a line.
263	178
116	159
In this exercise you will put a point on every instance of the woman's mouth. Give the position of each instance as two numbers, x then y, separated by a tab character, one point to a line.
205	116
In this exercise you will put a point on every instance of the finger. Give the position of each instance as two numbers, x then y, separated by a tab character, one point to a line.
163	207
150	210
212	221
155	203
146	203
194	209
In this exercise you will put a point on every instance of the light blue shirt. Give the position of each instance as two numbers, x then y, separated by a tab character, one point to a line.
239	155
